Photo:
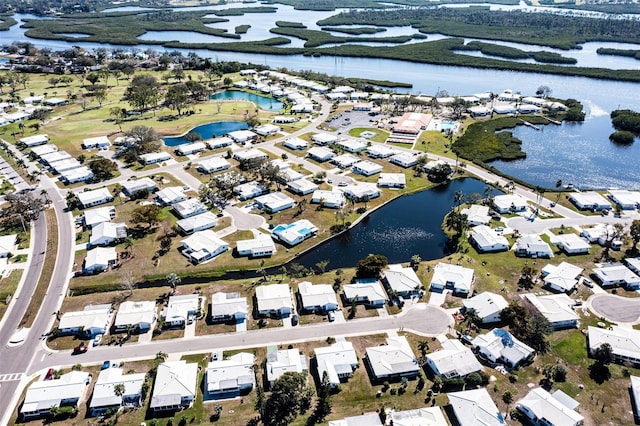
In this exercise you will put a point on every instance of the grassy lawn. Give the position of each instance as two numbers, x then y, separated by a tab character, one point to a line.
381	135
8	287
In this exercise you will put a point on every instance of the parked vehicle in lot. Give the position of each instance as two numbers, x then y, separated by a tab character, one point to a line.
50	373
97	340
588	283
343	183
332	316
294	320
106	365
80	349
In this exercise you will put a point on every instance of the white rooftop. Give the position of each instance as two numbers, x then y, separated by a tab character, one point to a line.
273	297
231	373
555	307
402	279
45	394
104	389
475	407
283	361
143	312
98	215
454	359
486	304
317	294
550	407
394	358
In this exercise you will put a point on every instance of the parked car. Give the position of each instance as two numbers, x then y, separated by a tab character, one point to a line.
49	374
106	365
80	349
332	316
97	340
294	320
343	183
588	283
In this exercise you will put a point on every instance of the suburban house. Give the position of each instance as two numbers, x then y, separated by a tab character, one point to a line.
228	307
635	400
154	157
367	168
251	154
404	159
249	190
589	200
624	342
486	239
284	361
426	416
562	278
331	199
324	139
191	148
132	187
475	407
64	165
275	202
508	203
175	386
625	199
54	157
380	151
500	346
104	396
543	408
220	142
67	391
392	361
94	198
392	180
231	377
99	259
197	223
139	316
320	153
203	246
99	142
633	263
345	160
294	233
301	186
453	360
338	360
477	215
34	140
351	145
39	151
571	244
288	175
106	233
170	195
368	419
266	129
402	280
317	297
602	234
487	306
532	246
295	143
242	136
93	320
616	274
361	191
213	164
557	308
256	247
181	310
98	215
188	208
274	300
79	174
7	244
366	291
452	277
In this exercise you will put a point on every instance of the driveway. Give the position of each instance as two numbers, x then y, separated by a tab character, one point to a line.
616	308
244	221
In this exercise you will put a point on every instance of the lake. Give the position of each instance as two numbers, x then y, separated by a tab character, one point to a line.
207	131
264	102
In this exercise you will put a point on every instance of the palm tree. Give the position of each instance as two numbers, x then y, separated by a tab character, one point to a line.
470	317
119	389
173	280
423	347
458	197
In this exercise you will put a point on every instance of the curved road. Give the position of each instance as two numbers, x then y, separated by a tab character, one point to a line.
616	308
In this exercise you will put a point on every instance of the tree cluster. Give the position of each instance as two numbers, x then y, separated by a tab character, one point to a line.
527	325
371	266
290	397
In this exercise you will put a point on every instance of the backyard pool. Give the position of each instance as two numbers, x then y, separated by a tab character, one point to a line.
207	131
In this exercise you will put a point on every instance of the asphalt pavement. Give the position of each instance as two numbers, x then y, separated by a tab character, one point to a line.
616	308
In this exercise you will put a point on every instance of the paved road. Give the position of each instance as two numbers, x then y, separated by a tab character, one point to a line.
243	220
616	308
420	319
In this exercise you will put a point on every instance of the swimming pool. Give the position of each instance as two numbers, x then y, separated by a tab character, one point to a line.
207	131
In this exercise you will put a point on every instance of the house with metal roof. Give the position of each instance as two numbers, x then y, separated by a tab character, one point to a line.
338	361
402	280
475	407
274	300
93	320
426	416
199	222
261	246
228	307
392	361
170	195
487	306
624	342
140	316
182	310
453	360
203	246
452	277
556	308
231	377
317	297
175	386
67	391
562	278
366	291
557	409
104	396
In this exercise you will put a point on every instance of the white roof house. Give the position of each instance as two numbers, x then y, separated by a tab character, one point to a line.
266	129
571	243
557	409
393	360
80	174
289	175
367	168
486	239
625	342
242	136
295	143
275	202
99	259
191	148
635	392
44	394
338	360
454	277
426	416
612	274
228	306
557	308
633	263
34	140
294	233
64	165
188	208
351	145
380	151
171	195
104	396
404	159
213	164
532	245
249	190
627	200
320	153
562	277
345	160
199	222
369	292
203	246
274	299
487	306
131	187
7	244
250	154
100	142
261	246
230	377
317	297
54	157
175	386
392	180
301	186
404	281
139	315
361	191
284	361
589	200
477	215
94	319
367	419
475	407
453	360
182	309
500	346
509	202
106	233
94	198
332	199
220	142
39	151
155	157
324	138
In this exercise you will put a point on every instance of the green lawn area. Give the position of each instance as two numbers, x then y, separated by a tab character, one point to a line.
8	287
381	135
